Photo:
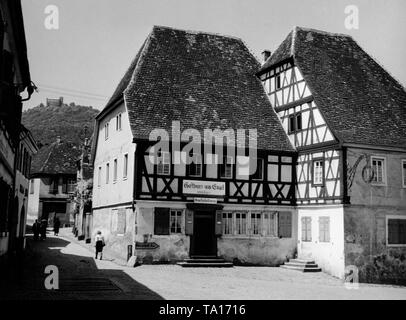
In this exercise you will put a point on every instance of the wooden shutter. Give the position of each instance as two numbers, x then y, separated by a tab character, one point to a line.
219	223
285	224
189	222
161	221
304	229
327	229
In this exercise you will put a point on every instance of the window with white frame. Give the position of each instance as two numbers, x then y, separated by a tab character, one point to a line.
241	223
324	229
99	177
306	229
164	163
107	173
227	223
226	168
256	223
404	173
269	224
396	230
194	169
379	170
115	170
125	166
318	172
106	131
118	122
176	221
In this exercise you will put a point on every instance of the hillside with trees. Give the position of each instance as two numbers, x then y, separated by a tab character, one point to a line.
73	123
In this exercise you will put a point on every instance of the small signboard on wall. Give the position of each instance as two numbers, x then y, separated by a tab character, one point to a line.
205	200
204	188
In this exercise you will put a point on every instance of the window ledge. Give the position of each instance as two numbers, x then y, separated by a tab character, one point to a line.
396	245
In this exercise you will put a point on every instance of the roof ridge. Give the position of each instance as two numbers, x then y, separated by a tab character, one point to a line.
323	32
140	60
292	47
49	155
381	66
199	32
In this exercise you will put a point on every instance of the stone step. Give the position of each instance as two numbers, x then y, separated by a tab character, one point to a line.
302	261
203	257
301	268
208	260
205	264
300	264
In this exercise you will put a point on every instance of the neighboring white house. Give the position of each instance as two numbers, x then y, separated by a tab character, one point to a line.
346	117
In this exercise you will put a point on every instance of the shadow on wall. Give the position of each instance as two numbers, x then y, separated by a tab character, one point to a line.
79	276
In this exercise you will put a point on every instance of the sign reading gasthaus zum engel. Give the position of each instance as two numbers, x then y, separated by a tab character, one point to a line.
208	188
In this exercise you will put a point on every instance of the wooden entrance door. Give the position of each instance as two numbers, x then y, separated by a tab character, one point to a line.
204	241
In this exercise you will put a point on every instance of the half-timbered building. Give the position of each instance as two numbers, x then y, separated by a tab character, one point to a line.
170	210
346	117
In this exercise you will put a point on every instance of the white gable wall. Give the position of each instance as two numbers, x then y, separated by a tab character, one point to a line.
116	146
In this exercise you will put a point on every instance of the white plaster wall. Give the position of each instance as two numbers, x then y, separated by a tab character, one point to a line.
248	249
328	255
116	146
33	201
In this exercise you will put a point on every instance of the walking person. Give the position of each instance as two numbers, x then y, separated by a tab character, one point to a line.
43	229
57	225
36	229
99	240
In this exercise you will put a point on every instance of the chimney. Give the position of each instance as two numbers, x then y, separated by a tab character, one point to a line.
265	55
58	139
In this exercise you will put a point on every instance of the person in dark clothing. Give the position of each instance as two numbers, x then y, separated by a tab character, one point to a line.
36	229
99	240
57	225
43	229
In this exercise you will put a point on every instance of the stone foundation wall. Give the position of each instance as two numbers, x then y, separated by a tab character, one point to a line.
366	248
256	251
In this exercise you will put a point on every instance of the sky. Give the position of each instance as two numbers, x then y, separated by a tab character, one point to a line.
85	58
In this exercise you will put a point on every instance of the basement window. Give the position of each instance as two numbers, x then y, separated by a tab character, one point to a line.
396	231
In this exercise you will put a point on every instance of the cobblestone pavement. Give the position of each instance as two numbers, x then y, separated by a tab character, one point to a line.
83	277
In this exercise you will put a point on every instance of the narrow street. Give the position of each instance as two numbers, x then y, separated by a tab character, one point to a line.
82	277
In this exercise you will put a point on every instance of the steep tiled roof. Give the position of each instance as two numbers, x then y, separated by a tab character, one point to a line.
202	80
56	158
361	102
